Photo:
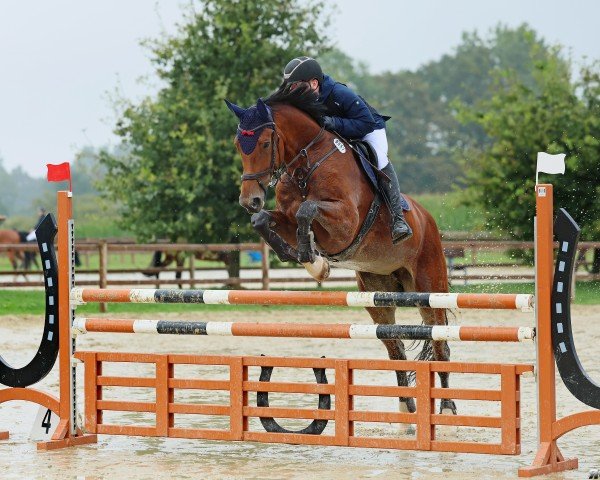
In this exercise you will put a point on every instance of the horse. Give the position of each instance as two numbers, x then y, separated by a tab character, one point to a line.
29	257
326	210
15	257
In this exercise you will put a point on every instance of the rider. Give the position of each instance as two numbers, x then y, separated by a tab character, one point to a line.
353	118
41	215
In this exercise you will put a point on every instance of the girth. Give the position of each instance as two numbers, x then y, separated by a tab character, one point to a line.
349	251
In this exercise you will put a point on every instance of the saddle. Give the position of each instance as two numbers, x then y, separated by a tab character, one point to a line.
367	159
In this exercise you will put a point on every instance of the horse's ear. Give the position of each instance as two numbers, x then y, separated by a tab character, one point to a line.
239	111
263	110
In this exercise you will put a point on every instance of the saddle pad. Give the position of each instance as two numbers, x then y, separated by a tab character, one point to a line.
369	170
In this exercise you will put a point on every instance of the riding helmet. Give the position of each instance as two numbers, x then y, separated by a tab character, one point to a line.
302	69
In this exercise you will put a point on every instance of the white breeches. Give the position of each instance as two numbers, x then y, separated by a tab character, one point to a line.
30	236
378	140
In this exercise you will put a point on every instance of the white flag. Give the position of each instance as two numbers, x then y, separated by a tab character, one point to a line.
549	164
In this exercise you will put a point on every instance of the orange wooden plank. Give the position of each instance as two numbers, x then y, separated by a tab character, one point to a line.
342	402
381	391
108	381
466	420
125	406
279	412
131	430
291	438
197	384
200	433
199	409
382	416
288	387
466	394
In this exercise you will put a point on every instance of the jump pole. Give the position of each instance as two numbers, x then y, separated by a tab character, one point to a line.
306	330
492	301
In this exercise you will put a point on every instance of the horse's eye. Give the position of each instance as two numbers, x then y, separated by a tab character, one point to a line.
266	144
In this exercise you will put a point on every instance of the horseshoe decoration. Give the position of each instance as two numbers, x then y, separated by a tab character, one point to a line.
316	427
571	371
44	359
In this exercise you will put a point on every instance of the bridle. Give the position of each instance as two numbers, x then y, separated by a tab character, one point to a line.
268	171
300	174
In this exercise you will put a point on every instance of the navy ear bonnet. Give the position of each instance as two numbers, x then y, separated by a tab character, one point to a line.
253	121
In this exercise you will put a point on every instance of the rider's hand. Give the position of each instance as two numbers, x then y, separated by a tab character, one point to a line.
328	123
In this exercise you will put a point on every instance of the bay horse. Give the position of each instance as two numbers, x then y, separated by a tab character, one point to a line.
15	257
324	204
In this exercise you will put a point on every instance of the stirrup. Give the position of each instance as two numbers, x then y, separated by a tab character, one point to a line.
404	234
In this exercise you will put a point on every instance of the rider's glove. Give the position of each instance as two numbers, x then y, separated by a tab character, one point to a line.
328	123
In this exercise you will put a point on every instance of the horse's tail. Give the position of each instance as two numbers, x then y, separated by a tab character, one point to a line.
426	353
22	236
29	259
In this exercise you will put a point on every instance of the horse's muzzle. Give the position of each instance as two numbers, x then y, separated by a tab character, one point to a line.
253	204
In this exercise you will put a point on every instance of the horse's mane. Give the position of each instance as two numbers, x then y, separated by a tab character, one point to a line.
302	98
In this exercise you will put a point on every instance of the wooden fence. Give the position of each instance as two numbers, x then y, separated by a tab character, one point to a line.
462	257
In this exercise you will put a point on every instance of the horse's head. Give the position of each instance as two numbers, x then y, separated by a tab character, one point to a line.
256	140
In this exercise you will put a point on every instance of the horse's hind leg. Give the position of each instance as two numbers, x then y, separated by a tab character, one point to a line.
431	276
386	316
439	351
13	258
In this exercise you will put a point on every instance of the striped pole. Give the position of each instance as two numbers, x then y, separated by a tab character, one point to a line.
306	330
495	301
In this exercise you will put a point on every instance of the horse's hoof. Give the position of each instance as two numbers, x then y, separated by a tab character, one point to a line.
326	270
448	407
407	407
319	270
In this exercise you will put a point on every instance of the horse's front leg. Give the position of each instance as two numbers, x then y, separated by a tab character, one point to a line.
316	265
264	222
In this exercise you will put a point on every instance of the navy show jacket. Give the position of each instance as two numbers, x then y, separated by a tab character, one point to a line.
353	117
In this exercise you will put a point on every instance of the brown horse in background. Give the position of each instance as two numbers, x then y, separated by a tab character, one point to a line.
322	201
15	257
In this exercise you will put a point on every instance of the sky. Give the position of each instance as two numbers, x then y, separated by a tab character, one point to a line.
62	61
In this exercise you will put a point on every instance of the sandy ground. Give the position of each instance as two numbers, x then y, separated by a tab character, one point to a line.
137	457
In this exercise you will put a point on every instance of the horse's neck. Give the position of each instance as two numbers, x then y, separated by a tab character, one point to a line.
297	130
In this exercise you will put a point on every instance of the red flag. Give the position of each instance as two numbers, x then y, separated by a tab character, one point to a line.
59	173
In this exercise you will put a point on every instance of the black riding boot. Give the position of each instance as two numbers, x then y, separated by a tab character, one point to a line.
391	191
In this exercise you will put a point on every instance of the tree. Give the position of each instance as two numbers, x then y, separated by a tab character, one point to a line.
6	189
425	138
555	115
345	69
180	175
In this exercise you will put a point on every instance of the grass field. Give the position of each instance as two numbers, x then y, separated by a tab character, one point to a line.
22	302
